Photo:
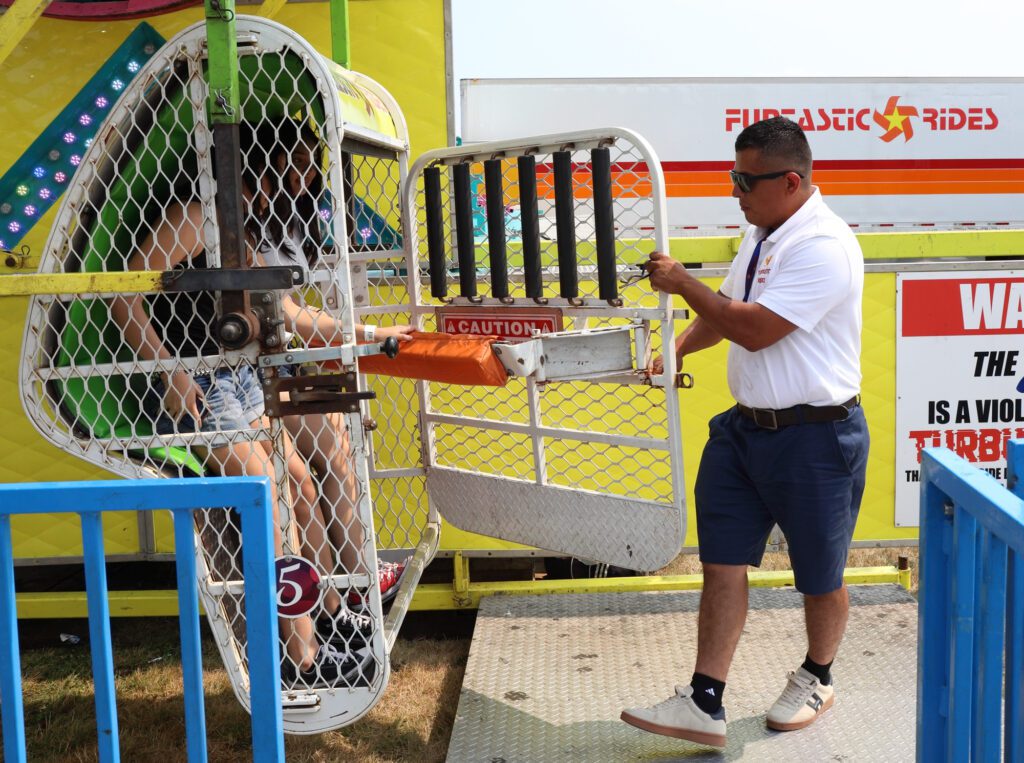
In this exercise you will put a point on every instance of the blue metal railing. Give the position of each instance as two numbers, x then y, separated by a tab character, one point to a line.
251	497
970	702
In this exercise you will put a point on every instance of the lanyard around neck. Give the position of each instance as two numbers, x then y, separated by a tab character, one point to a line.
752	269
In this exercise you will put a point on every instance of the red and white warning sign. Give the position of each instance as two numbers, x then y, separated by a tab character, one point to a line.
959	372
509	324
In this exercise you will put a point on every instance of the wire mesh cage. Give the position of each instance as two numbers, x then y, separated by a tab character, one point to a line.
141	385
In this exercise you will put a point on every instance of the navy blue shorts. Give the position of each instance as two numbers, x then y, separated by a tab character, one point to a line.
808	478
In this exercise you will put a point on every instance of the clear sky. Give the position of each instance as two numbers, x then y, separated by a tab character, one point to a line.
737	38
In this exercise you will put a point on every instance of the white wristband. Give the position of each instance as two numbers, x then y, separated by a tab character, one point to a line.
369	332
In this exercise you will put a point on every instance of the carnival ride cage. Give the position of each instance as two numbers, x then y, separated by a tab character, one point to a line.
579	452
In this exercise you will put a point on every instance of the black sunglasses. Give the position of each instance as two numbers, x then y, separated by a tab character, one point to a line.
745	181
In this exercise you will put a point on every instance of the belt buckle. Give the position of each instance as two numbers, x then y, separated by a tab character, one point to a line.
757	418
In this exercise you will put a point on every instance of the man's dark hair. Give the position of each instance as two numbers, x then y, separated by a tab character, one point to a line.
778	137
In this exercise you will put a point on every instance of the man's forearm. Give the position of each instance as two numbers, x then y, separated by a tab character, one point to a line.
696	337
722	316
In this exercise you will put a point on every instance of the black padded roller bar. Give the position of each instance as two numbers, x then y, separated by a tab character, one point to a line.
565	226
604	223
496	228
435	232
464	231
531	227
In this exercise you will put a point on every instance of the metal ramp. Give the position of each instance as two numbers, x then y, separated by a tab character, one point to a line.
548	676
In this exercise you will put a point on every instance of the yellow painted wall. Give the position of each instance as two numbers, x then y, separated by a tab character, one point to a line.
400	43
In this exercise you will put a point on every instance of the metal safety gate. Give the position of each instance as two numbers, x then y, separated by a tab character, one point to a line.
540	241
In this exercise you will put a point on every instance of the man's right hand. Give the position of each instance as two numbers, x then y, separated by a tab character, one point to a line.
658	364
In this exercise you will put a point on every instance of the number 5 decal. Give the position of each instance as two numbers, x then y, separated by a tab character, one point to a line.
298	586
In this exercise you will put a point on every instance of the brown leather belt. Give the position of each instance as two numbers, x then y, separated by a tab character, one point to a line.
799	414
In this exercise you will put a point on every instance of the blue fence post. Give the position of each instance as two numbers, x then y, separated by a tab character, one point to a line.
188	622
991	611
961	670
932	632
11	705
1014	686
261	627
99	637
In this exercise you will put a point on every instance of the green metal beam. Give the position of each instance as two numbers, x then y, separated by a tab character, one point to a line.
223	61
339	32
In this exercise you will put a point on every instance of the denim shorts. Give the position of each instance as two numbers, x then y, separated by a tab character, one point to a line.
287	371
807	478
232	399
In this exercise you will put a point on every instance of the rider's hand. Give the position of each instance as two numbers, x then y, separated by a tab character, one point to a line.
182	396
401	333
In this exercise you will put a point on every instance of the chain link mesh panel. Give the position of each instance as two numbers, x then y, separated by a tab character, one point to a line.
382	298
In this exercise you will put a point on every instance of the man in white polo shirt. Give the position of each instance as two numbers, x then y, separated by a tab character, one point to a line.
793	450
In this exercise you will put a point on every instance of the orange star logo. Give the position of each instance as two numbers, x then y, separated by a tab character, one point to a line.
895	120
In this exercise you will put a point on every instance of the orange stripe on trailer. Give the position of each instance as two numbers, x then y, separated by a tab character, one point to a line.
870	188
635	182
919	174
868	182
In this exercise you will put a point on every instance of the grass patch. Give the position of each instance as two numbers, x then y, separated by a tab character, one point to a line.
412	722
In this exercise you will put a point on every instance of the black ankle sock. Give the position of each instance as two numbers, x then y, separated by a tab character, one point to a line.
707	693
821	672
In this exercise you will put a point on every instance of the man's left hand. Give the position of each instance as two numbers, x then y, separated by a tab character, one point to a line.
666	274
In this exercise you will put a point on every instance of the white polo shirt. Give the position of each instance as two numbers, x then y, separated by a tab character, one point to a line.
810	272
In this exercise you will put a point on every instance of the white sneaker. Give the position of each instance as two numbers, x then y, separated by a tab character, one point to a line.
801	702
679	717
